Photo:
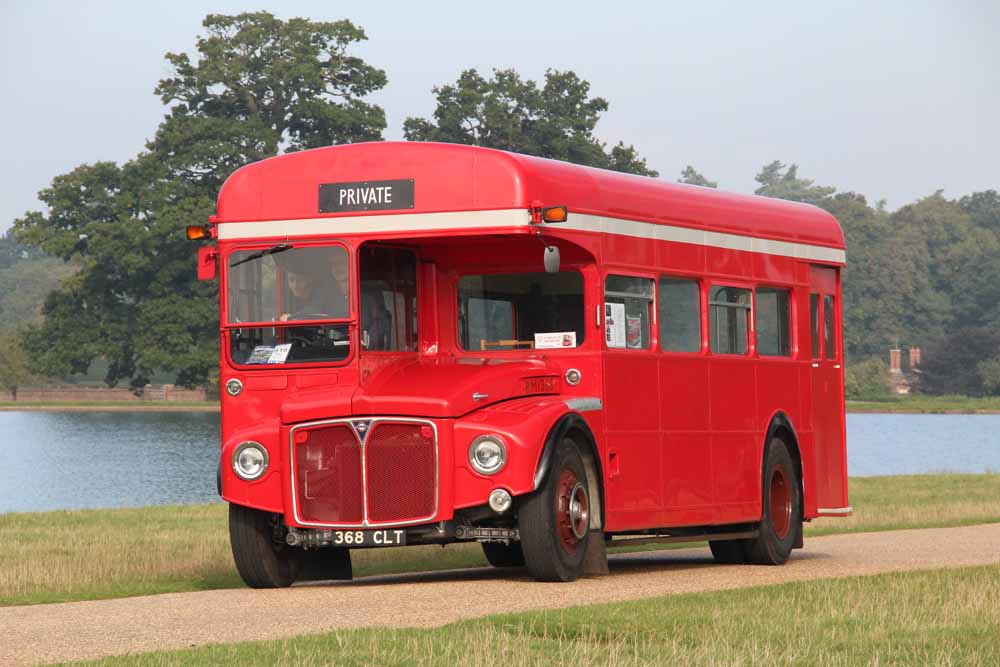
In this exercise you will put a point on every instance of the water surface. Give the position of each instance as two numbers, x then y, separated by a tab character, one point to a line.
71	460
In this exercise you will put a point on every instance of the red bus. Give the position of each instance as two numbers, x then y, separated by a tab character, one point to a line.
428	343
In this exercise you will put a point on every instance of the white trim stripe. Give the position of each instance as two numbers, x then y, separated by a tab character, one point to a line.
835	511
517	218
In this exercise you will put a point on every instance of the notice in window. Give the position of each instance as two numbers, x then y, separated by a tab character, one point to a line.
279	354
556	339
614	324
260	354
633	332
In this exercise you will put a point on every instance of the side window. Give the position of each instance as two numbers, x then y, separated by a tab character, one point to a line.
772	322
829	340
814	322
388	299
679	310
729	311
627	305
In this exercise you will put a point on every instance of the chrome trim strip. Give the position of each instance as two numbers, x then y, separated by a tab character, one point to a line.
584	403
365	523
835	511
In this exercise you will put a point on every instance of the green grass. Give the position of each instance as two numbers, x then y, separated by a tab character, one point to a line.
96	554
937	617
928	404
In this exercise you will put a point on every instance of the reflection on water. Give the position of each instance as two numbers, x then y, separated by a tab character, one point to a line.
70	460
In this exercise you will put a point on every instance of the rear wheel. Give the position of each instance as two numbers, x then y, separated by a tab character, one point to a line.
781	520
554	521
262	557
504	555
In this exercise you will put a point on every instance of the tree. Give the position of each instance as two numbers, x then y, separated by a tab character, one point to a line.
868	379
692	176
782	182
963	362
509	113
294	80
260	85
14	372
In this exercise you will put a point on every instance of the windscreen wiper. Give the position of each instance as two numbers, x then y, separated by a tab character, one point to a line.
281	247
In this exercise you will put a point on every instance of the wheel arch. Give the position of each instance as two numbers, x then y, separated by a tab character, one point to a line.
574	426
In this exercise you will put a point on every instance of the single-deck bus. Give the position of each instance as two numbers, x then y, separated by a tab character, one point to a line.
427	343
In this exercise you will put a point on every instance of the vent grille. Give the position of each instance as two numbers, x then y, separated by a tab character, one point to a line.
400	467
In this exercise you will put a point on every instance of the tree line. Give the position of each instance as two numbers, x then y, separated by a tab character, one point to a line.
258	86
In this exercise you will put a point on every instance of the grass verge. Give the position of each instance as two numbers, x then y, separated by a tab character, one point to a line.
97	554
936	617
917	404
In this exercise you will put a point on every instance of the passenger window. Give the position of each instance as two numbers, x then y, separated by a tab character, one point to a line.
829	342
627	305
772	322
729	312
679	310
814	316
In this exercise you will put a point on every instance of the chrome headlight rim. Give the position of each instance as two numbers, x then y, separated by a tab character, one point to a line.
240	448
501	449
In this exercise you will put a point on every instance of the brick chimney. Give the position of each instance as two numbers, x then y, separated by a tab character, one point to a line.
895	357
914	357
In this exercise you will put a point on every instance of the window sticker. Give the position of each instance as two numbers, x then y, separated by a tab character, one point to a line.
279	354
634	332
556	339
614	324
260	354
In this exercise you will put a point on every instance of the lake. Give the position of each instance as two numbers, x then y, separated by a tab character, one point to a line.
72	460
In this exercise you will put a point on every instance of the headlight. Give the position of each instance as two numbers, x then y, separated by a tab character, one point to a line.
487	454
249	460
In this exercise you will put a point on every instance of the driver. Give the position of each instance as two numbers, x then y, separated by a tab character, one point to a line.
307	295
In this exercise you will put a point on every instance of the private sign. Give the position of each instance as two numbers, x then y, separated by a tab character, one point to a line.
366	196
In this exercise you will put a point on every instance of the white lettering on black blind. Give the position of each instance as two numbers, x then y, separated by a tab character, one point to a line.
366	196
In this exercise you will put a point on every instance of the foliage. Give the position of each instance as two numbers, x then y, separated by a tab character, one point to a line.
867	379
692	176
294	81
14	371
509	113
25	284
258	86
962	362
12	252
782	181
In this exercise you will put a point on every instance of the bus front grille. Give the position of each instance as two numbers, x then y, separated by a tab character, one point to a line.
341	479
400	471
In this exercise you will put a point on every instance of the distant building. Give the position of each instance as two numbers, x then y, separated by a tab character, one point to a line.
902	380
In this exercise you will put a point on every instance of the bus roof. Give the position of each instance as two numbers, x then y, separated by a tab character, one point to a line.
450	177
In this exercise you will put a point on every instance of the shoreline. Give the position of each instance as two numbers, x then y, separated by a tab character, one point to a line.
108	407
866	408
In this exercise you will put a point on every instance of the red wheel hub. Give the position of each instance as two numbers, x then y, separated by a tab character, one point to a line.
572	510
781	503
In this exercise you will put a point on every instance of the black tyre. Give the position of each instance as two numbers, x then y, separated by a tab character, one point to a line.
504	555
729	552
262	558
781	519
554	521
323	564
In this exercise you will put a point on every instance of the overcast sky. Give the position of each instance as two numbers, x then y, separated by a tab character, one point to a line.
893	99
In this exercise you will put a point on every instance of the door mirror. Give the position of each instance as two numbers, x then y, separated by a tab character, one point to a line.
207	262
551	259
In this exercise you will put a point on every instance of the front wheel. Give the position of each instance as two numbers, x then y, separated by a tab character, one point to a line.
554	521
262	558
503	555
781	520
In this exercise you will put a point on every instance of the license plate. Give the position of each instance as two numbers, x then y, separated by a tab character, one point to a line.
390	537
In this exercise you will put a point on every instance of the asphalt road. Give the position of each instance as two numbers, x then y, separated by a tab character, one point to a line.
78	630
